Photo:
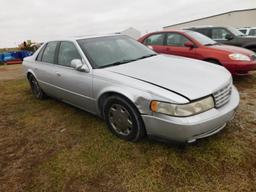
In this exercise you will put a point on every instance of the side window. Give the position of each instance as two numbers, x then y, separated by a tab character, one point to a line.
219	34
203	31
39	56
175	39
67	53
49	52
252	32
156	39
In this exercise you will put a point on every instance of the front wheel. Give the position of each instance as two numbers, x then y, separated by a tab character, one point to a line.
123	119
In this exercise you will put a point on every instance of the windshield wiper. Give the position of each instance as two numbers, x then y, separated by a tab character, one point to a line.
126	61
146	56
117	63
211	44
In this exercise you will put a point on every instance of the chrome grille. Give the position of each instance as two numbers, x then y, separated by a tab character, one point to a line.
222	96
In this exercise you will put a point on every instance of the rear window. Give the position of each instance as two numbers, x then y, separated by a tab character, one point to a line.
40	55
49	52
203	31
155	39
243	31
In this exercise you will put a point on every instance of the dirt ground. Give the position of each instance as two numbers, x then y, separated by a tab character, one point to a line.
11	72
50	146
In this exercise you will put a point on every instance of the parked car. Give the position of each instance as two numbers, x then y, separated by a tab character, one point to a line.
228	36
250	31
14	57
195	45
135	90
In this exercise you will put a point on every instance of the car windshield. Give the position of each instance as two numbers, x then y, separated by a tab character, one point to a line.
235	31
113	50
202	39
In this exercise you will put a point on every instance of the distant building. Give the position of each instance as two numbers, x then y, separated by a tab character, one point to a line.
238	18
132	32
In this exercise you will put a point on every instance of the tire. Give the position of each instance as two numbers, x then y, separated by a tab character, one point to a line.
123	119
213	61
36	90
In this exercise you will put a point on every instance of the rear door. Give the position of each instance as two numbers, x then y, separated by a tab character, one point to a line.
156	42
75	86
175	45
45	68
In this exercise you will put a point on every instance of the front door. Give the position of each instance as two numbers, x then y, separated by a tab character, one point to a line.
75	86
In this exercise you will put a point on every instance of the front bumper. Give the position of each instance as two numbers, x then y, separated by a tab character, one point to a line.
189	129
238	68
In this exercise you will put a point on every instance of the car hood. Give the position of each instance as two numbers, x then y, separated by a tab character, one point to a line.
191	78
232	49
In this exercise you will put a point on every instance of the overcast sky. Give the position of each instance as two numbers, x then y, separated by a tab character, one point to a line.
40	20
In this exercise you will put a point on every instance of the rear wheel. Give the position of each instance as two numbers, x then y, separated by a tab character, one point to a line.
36	90
123	119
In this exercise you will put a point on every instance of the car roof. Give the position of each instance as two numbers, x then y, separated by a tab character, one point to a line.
84	37
205	27
172	30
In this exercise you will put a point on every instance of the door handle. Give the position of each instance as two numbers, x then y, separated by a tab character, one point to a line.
58	74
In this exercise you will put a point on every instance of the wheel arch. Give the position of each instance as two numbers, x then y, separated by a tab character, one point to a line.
212	59
250	46
30	72
137	101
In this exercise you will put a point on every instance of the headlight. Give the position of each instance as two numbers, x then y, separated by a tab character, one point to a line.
239	57
182	110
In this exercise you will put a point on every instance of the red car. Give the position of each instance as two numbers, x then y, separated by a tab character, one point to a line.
238	61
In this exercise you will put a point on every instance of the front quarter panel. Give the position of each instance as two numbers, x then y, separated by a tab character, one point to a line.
138	92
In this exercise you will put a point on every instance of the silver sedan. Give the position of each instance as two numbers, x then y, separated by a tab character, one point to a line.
136	91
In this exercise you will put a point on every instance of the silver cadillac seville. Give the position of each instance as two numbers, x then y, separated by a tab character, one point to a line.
136	91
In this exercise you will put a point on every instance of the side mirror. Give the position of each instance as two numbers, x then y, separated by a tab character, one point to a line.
79	66
150	47
228	37
189	44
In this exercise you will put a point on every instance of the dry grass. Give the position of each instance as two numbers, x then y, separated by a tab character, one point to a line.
51	146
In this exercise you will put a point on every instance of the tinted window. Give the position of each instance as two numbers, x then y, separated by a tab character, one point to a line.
252	32
105	51
67	53
49	52
39	56
175	39
156	39
243	31
219	34
203	31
